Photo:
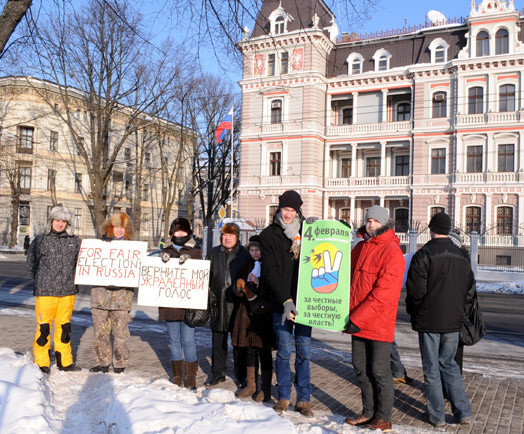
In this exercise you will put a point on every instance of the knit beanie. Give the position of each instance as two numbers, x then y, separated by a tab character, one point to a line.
180	224
290	199
254	241
379	213
455	238
440	223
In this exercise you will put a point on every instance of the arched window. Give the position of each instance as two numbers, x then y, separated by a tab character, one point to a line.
439	104
504	220
356	67
354	62
473	219
482	44
501	42
475	100
383	63
279	25
381	59
440	54
507	98
404	112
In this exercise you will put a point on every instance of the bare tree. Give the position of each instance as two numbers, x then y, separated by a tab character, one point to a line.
212	161
12	14
109	79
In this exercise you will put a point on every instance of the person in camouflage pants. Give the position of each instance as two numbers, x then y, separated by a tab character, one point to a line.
111	307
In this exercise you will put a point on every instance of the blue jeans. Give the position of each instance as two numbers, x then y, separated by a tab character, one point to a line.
303	355
181	339
397	368
438	351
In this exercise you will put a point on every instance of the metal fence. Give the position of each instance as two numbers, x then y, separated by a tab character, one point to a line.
488	252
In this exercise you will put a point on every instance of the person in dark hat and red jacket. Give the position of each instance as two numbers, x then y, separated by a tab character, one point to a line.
227	262
377	269
280	249
181	336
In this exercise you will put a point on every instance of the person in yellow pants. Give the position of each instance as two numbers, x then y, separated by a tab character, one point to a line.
51	262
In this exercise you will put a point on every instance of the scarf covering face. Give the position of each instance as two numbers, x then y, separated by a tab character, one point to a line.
291	231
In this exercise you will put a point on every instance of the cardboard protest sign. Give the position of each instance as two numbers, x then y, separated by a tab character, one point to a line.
173	285
115	263
324	275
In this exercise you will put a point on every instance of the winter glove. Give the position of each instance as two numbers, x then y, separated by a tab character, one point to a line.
311	220
165	257
351	328
290	311
183	258
239	288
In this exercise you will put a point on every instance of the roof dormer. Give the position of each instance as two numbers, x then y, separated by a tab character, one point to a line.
279	20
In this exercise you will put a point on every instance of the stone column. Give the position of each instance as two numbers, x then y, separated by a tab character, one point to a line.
355	107
488	212
352	210
383	158
384	105
490	152
354	161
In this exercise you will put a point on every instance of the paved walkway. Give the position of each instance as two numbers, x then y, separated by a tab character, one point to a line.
495	387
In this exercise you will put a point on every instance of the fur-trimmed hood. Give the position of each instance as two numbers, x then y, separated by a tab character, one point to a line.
118	219
60	213
389	225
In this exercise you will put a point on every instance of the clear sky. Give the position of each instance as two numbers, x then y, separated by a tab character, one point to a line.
392	14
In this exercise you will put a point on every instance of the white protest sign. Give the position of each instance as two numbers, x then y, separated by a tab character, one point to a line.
114	263
173	285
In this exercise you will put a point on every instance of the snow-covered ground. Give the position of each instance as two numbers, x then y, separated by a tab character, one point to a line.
81	402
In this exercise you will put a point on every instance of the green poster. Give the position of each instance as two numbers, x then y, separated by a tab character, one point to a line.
324	274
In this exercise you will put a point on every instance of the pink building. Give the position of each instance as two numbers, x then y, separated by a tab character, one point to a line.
418	120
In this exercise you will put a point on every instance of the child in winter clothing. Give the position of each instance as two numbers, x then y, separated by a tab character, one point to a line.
252	327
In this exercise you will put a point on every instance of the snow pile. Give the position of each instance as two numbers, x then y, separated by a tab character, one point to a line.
508	287
82	402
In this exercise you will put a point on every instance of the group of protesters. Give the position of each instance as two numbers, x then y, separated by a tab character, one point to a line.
255	292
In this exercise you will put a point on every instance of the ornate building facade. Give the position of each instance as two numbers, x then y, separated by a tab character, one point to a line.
419	120
39	152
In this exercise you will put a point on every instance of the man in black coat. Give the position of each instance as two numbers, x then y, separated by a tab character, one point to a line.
280	243
440	288
227	262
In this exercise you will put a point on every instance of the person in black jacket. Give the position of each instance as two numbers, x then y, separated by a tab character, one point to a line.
280	243
440	288
181	336
227	262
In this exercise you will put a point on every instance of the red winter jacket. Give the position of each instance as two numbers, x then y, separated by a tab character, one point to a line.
377	268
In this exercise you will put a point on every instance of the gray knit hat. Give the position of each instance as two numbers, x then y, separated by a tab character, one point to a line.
379	213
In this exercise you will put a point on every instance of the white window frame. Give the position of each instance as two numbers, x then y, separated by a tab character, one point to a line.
351	59
434	46
378	55
267	108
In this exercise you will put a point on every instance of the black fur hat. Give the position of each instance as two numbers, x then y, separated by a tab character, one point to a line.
180	224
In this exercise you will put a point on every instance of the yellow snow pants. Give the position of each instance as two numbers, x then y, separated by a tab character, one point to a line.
60	310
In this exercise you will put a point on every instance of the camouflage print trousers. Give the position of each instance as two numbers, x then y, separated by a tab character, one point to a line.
103	322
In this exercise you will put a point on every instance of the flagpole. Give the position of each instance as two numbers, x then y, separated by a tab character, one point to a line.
232	157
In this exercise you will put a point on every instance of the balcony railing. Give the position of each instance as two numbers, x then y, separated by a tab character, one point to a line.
272	128
473	178
485	118
381	127
367	181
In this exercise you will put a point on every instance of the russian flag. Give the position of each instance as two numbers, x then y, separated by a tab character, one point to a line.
226	124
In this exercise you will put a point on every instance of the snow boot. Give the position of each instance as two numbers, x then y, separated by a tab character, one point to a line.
191	373
265	387
178	372
251	387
